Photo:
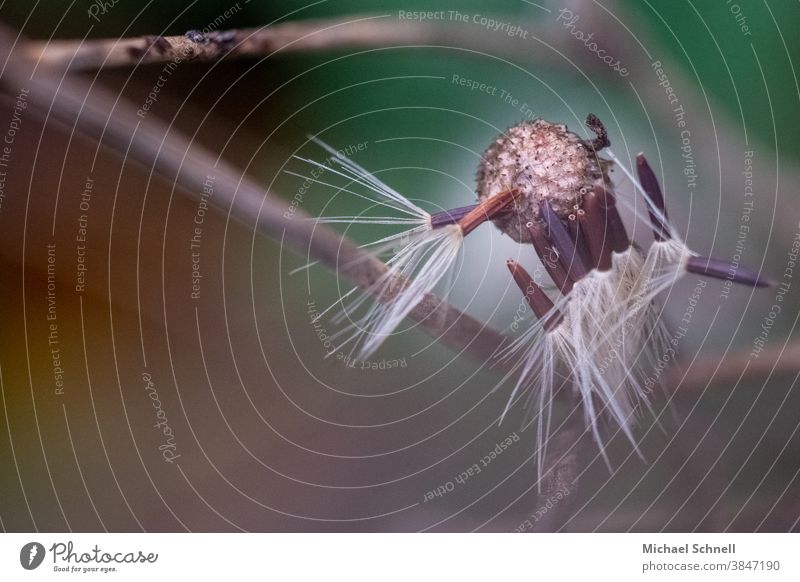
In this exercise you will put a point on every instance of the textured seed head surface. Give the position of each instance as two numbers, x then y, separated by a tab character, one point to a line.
543	161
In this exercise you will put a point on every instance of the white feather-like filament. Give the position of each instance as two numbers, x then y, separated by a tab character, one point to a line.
418	257
413	272
610	336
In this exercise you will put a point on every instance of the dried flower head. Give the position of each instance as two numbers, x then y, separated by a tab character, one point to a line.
543	185
544	162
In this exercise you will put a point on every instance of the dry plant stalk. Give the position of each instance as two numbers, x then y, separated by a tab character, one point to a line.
100	114
301	36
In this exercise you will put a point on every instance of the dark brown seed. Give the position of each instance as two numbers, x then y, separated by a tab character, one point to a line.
549	257
561	240
722	269
487	209
451	216
537	299
617	234
580	240
594	226
649	182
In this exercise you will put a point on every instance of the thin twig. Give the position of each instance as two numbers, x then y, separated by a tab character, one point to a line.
103	116
363	30
737	366
563	467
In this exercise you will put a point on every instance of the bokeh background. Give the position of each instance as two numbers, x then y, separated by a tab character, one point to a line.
274	437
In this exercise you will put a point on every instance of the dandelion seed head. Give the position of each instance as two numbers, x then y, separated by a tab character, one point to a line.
544	161
600	334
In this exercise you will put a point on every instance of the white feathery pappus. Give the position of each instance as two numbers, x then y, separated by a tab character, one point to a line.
544	186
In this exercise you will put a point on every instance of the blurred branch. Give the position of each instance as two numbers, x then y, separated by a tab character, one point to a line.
196	46
361	30
563	467
730	368
115	124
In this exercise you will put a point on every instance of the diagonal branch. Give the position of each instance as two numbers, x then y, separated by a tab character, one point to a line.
107	118
100	114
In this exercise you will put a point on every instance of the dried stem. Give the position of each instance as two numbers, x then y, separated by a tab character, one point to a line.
363	30
726	369
563	467
101	115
